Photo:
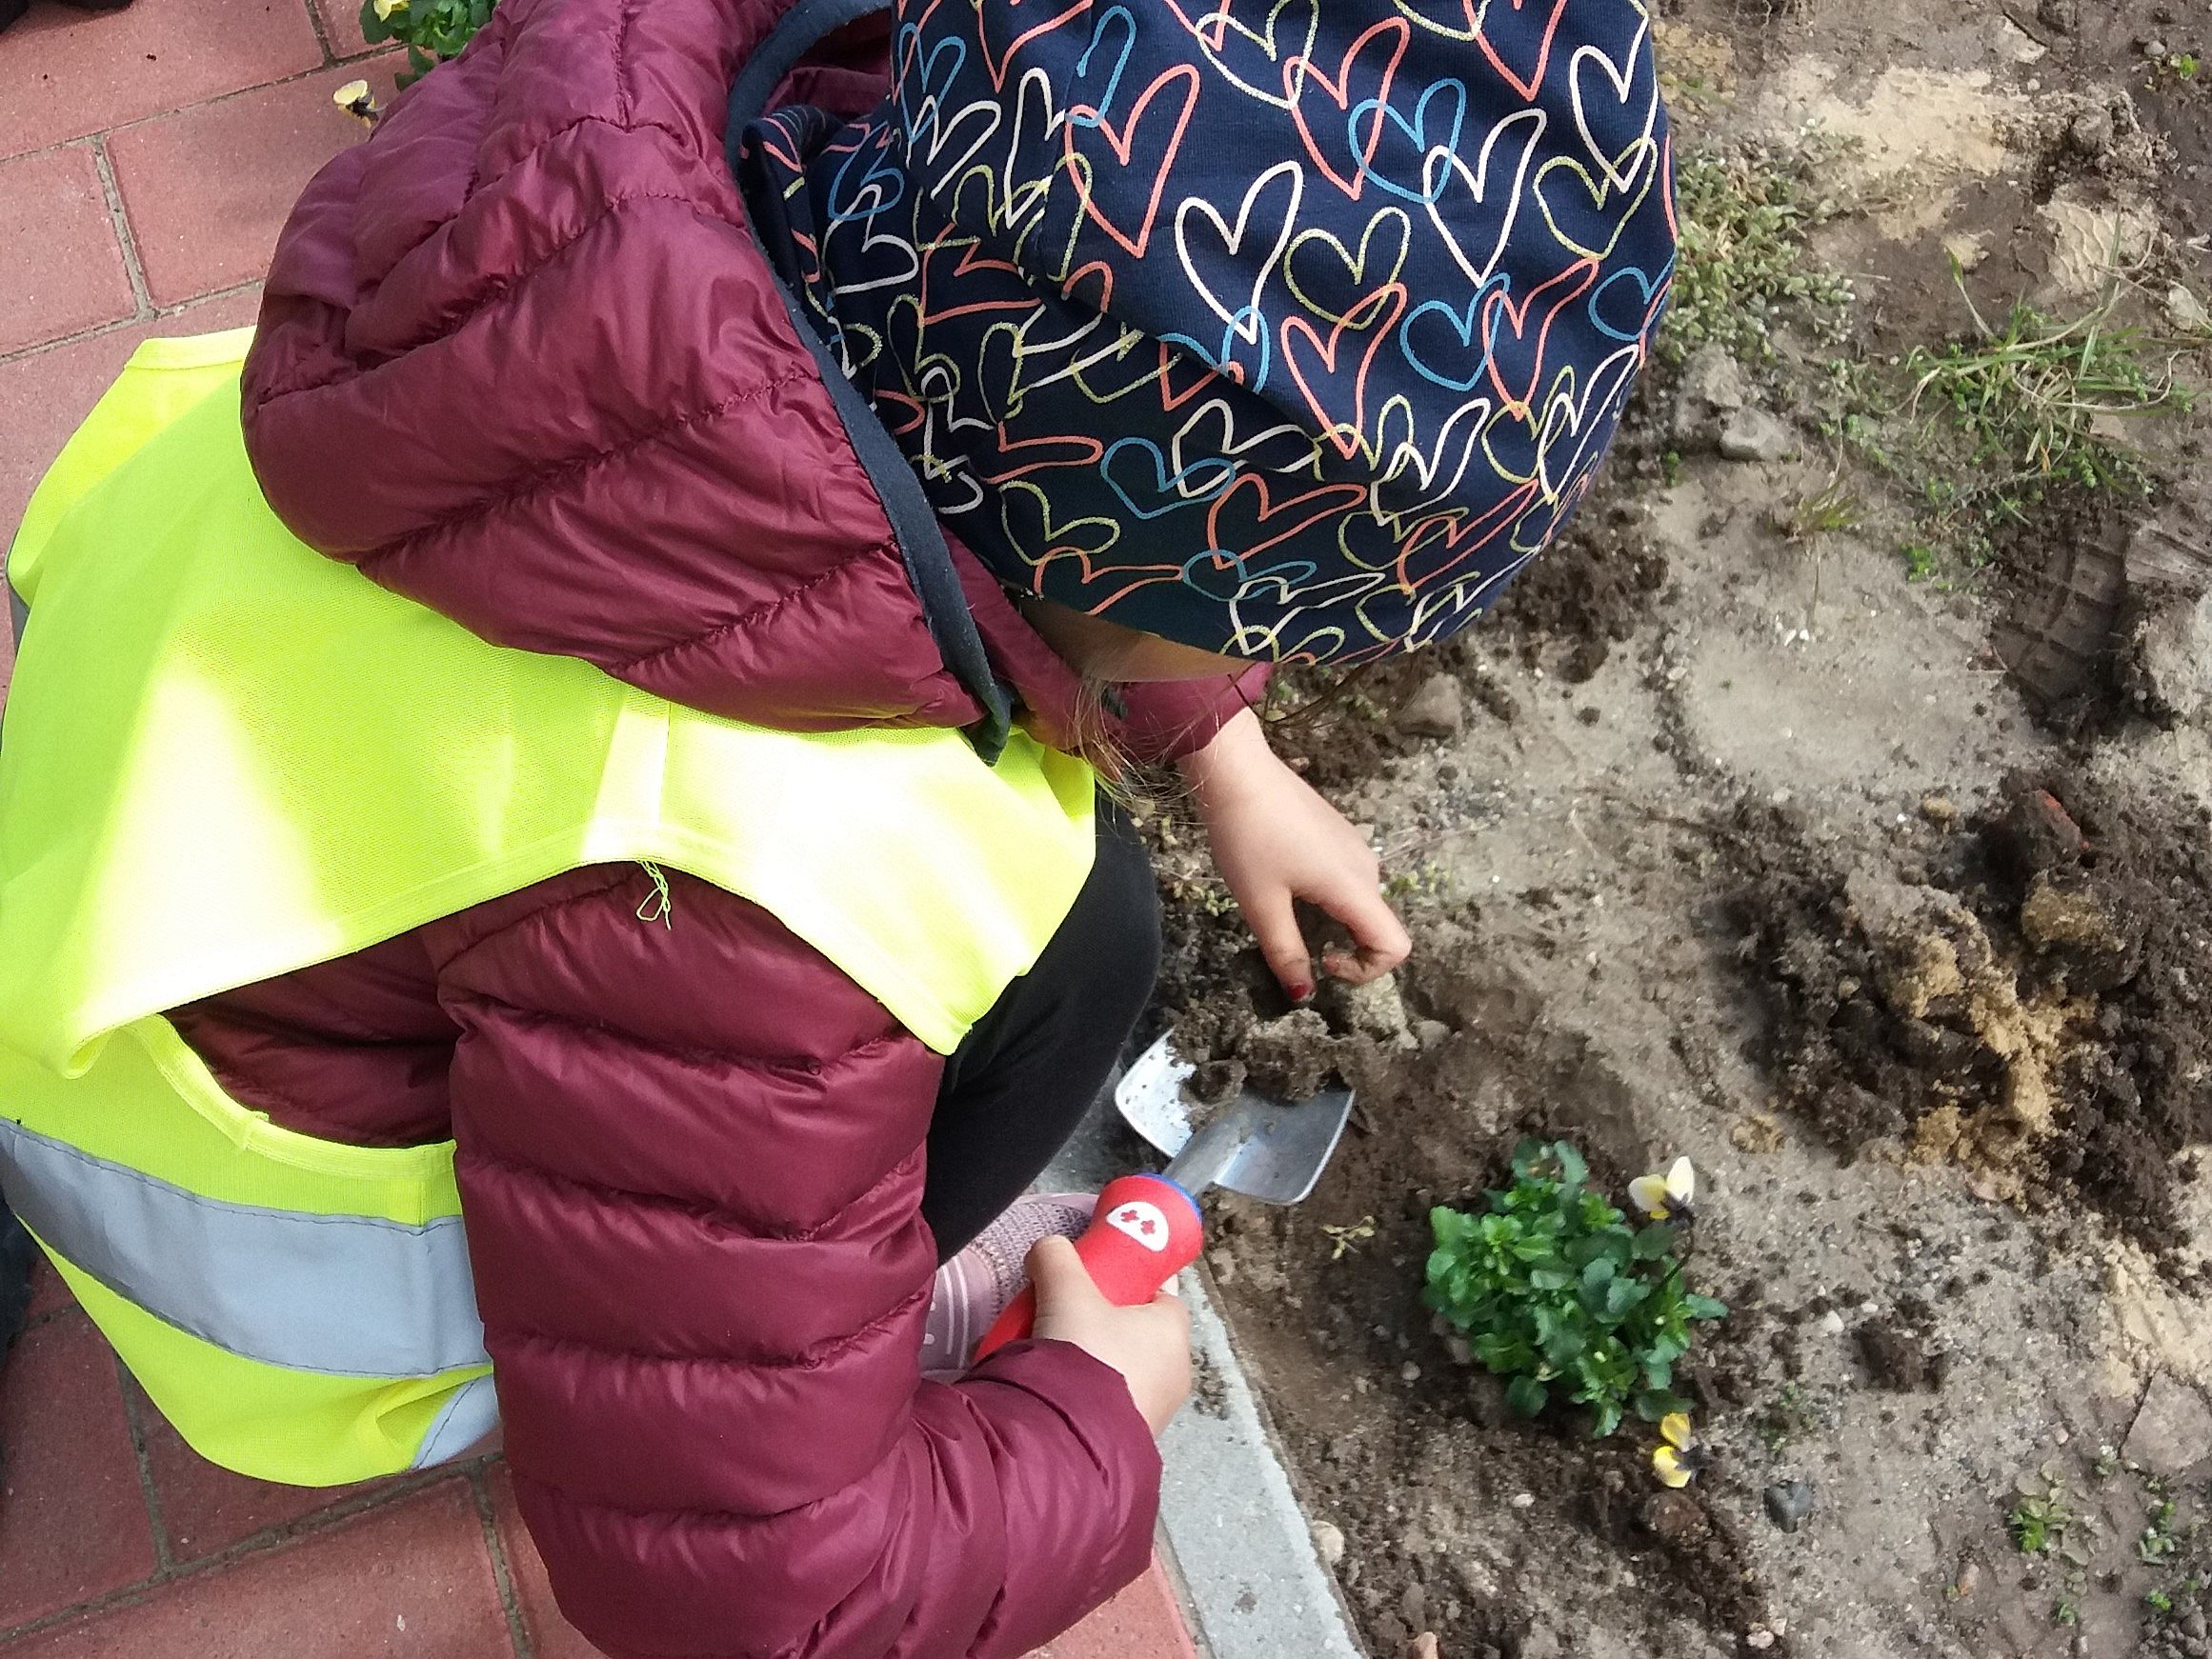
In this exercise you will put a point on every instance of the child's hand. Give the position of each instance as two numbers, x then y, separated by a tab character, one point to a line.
1276	841
1149	1346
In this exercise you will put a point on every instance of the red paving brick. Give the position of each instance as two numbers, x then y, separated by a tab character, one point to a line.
69	73
47	1294
207	189
61	269
205	1510
409	1580
72	1517
551	1636
1143	1622
342	27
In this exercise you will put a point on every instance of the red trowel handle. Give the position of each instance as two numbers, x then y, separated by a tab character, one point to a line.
1145	1231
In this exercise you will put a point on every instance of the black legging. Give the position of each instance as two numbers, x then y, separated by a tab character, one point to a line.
1021	1082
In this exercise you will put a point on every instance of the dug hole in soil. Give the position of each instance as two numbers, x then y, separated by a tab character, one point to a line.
1889	903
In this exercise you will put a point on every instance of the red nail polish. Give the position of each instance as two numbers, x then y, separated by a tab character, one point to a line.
1301	992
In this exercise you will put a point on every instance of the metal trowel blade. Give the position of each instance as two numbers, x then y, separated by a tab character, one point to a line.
1274	1151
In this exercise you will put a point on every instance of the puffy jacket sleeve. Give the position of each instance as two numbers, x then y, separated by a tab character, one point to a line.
691	1164
1168	719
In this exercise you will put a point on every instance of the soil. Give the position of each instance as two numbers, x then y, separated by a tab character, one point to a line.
1889	903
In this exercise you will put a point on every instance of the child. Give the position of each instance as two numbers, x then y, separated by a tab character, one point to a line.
743	922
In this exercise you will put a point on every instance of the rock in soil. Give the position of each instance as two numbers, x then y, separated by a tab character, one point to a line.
1788	1503
2061	918
2169	666
1714	387
1752	435
1329	1540
2034	832
1437	710
2173	1429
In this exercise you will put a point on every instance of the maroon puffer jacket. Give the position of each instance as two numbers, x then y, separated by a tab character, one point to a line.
519	360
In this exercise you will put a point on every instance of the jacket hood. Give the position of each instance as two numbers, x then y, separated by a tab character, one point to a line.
520	359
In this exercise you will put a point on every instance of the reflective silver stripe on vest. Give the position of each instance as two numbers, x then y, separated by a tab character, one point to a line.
472	1413
343	1295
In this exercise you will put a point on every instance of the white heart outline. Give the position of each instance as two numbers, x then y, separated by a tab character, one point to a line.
1305	469
1477	185
1428	467
1246	322
1266	43
1624	83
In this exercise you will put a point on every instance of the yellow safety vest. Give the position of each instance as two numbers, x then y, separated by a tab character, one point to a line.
226	757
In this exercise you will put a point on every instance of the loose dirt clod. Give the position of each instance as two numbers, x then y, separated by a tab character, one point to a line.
2031	1009
1901	1358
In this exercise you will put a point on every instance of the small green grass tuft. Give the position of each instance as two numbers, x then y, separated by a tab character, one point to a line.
1744	269
2020	414
2039	403
2038	1522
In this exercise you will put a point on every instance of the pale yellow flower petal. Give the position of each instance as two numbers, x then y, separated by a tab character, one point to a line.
1648	1193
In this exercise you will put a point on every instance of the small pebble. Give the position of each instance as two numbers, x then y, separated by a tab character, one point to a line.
1524	1500
1409	1372
1832	1323
1760	1638
1329	1540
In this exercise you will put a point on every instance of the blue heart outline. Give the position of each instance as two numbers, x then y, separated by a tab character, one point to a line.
1230	340
1164	485
853	211
1417	130
1648	287
1105	101
1248	581
1463	324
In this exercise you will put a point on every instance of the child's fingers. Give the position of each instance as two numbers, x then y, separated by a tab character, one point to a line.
1058	1274
1379	937
1274	926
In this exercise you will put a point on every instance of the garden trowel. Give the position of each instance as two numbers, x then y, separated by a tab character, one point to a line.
1147	1228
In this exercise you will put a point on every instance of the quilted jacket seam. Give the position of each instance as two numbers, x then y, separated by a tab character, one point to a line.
499	293
575	466
698	1211
811	1360
694	1053
758	614
550	907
